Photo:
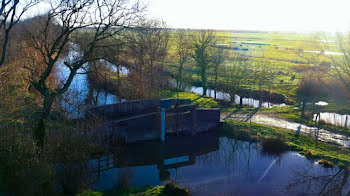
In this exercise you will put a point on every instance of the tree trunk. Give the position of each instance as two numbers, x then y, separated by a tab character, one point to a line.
216	83
40	130
240	102
4	48
179	77
204	82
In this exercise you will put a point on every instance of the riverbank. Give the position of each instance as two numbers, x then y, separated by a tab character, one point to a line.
304	144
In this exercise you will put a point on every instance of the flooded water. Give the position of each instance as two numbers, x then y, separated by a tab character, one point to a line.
321	134
325	52
335	119
212	165
226	96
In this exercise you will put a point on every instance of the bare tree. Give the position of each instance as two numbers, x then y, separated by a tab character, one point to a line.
203	45
261	77
183	41
86	23
311	87
11	12
148	47
332	57
340	61
236	76
218	59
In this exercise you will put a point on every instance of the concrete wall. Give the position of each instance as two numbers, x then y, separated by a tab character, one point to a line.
186	120
184	123
205	119
131	108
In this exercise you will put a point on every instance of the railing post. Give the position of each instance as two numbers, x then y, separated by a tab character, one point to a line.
162	124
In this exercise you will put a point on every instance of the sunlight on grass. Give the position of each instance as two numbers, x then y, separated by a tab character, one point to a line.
202	102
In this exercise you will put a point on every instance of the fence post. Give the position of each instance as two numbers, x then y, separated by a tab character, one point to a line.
346	122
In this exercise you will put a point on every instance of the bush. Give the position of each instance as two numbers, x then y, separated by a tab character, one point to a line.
172	189
325	163
274	146
310	154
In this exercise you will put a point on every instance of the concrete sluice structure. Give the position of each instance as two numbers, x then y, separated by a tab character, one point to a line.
143	120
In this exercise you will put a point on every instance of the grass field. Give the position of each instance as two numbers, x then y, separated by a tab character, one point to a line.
285	54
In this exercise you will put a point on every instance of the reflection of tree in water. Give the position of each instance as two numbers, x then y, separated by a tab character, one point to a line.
314	182
234	155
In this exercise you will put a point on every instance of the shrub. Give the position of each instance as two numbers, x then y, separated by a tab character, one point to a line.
172	189
310	154
326	163
274	146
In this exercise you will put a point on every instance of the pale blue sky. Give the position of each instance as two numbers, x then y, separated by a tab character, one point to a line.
275	15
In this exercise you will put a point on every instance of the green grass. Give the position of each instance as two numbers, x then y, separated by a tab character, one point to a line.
144	191
303	144
202	102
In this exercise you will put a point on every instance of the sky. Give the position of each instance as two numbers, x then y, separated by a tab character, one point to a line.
265	15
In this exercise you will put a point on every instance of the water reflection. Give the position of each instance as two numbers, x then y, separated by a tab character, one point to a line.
210	166
309	181
226	96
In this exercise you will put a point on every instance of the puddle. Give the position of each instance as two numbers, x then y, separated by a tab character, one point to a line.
334	119
323	135
325	52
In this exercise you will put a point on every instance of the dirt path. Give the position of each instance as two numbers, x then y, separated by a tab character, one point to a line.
271	120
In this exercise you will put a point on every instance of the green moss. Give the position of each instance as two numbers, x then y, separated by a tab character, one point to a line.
172	189
301	143
146	191
169	189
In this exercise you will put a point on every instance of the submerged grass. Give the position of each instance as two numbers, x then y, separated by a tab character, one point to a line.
305	145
